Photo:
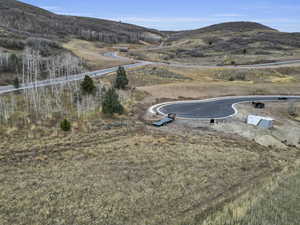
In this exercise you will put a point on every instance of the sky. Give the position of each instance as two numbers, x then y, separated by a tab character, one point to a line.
283	15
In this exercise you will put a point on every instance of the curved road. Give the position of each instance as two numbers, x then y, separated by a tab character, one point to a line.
217	108
100	73
70	78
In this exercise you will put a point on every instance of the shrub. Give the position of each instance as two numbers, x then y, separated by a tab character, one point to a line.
121	80
111	103
65	125
87	86
44	46
292	111
12	43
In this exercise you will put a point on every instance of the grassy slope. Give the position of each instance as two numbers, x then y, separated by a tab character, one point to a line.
277	204
210	45
92	53
126	175
27	20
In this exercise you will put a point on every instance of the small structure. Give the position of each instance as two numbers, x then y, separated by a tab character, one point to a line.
259	121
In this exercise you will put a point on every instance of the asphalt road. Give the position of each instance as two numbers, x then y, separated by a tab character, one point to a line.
218	108
100	73
70	78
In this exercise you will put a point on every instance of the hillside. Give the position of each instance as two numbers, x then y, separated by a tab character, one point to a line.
20	20
222	27
253	42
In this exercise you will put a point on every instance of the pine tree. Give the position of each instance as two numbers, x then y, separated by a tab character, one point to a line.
13	63
121	81
65	125
87	86
111	103
16	83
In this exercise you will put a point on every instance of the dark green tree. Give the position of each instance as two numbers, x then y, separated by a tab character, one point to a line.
14	63
111	103
244	51
87	86
65	125
16	83
121	81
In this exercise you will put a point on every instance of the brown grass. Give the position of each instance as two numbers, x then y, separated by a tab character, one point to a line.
93	52
198	90
126	174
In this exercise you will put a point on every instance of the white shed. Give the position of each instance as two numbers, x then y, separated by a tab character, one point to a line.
259	121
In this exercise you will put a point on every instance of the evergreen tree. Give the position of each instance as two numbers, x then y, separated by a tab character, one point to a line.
65	125
111	103
121	81
87	86
16	83
13	63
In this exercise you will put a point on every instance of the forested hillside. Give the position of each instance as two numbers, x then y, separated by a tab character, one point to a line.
20	20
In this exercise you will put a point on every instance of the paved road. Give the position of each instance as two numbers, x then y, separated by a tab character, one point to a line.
99	73
218	108
61	80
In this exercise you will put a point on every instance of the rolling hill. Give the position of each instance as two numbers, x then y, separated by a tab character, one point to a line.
239	42
233	37
19	20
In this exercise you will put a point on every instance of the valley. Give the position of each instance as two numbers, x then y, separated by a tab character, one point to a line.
77	141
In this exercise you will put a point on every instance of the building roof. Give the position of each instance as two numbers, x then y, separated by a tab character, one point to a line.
255	120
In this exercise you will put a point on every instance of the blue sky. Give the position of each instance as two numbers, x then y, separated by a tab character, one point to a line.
184	14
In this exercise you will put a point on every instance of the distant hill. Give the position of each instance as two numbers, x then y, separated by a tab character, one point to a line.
234	27
230	27
233	38
21	20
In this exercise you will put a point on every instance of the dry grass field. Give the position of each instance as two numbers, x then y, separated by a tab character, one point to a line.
93	52
122	171
128	173
205	83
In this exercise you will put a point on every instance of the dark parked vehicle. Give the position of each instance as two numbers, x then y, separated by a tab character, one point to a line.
283	98
258	105
169	119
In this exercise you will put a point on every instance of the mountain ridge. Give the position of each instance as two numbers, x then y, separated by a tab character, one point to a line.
25	18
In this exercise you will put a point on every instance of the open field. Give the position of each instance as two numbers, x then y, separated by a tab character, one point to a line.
93	52
206	90
277	204
122	171
118	169
128	173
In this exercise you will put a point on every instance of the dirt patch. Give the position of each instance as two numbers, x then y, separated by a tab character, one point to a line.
93	52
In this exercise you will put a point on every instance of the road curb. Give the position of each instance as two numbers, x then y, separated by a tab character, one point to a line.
156	109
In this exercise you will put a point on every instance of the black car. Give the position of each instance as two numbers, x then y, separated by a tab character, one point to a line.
283	98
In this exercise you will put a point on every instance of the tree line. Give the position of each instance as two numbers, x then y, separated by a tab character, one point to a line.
69	100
